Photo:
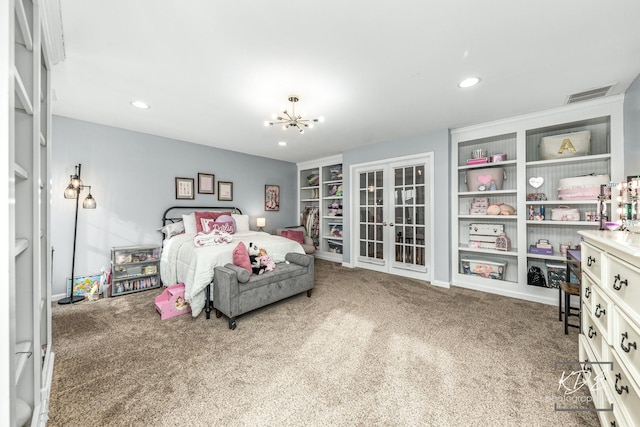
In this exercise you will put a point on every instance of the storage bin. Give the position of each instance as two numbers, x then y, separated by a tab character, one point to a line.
556	273
565	145
335	246
484	268
485	179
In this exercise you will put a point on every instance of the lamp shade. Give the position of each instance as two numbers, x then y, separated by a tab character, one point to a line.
261	222
70	192
89	202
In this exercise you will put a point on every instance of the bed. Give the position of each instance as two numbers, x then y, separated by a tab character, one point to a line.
182	261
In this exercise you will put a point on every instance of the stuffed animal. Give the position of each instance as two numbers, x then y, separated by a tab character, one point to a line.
266	264
254	253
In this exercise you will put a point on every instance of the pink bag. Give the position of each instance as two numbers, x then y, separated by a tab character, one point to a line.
565	213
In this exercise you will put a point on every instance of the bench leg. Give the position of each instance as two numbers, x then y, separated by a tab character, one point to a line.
218	314
207	302
309	293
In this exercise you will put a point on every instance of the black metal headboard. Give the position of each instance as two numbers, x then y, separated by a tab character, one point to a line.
174	213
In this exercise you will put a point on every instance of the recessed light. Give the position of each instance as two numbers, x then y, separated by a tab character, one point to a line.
282	143
468	82
140	104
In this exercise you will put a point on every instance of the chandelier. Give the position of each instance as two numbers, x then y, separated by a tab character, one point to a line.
292	120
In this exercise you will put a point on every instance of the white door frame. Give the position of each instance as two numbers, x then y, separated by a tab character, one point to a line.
429	199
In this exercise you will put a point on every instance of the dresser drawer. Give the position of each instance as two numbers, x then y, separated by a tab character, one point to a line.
622	282
624	390
586	293
593	336
592	261
625	341
593	374
610	414
601	312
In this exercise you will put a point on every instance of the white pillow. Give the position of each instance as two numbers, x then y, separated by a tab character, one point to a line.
189	221
172	229
242	222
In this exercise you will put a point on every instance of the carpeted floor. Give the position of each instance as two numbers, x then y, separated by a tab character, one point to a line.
367	349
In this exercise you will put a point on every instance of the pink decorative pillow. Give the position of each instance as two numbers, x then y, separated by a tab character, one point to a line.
241	257
207	214
295	235
208	225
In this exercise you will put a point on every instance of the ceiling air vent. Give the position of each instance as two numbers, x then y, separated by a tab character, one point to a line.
588	94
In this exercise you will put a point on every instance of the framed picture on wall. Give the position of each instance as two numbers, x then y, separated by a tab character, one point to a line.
184	188
271	197
205	183
225	191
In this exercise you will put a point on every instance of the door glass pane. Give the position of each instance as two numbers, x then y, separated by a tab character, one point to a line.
420	215
379	179
408	176
363	197
419	174
420	195
398	177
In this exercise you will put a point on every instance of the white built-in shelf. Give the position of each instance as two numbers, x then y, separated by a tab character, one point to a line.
499	217
21	246
339	218
564	223
309	200
332	237
560	258
23	24
572	160
336	181
332	198
512	252
21	92
488	165
487	193
20	172
23	353
565	202
310	188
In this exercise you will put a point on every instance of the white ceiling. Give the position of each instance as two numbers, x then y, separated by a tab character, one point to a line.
214	71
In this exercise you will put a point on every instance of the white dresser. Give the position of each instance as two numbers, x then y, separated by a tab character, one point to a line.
611	323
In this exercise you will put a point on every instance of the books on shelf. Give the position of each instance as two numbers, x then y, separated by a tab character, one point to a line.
478	161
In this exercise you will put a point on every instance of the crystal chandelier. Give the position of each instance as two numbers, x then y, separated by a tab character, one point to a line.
288	120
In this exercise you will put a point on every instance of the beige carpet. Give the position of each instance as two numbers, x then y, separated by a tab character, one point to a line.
367	349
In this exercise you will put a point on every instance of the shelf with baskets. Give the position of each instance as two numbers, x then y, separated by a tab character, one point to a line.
135	269
538	183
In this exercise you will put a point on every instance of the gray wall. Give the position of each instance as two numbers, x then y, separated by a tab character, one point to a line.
132	177
437	142
632	129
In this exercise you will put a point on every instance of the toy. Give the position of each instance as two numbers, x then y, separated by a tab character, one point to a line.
254	253
266	263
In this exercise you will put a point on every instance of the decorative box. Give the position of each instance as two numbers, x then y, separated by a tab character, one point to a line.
501	157
540	251
478	211
565	145
487	269
150	269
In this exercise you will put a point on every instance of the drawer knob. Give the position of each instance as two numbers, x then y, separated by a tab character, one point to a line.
587	292
627	349
617	283
620	389
592	332
599	311
590	261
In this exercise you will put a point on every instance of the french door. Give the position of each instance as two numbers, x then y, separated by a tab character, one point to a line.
393	211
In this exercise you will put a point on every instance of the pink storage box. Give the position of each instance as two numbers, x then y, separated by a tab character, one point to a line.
485	179
171	302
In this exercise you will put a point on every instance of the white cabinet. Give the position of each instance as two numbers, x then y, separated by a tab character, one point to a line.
320	204
518	140
610	333
28	119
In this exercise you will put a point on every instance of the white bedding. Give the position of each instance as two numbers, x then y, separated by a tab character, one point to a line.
184	262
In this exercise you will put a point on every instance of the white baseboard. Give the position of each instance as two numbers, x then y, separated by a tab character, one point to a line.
441	284
58	297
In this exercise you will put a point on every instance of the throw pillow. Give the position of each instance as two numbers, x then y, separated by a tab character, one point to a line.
241	257
189	221
207	214
172	229
295	235
208	225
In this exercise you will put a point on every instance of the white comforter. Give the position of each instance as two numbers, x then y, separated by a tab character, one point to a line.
183	262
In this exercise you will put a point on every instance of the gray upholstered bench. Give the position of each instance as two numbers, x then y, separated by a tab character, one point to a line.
235	292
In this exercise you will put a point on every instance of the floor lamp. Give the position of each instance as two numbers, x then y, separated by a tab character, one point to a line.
73	192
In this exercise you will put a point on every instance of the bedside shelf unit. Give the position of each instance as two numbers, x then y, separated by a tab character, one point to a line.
325	200
519	138
135	269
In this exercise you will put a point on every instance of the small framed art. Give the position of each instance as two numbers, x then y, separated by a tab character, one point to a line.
184	188
205	183
271	197
225	190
